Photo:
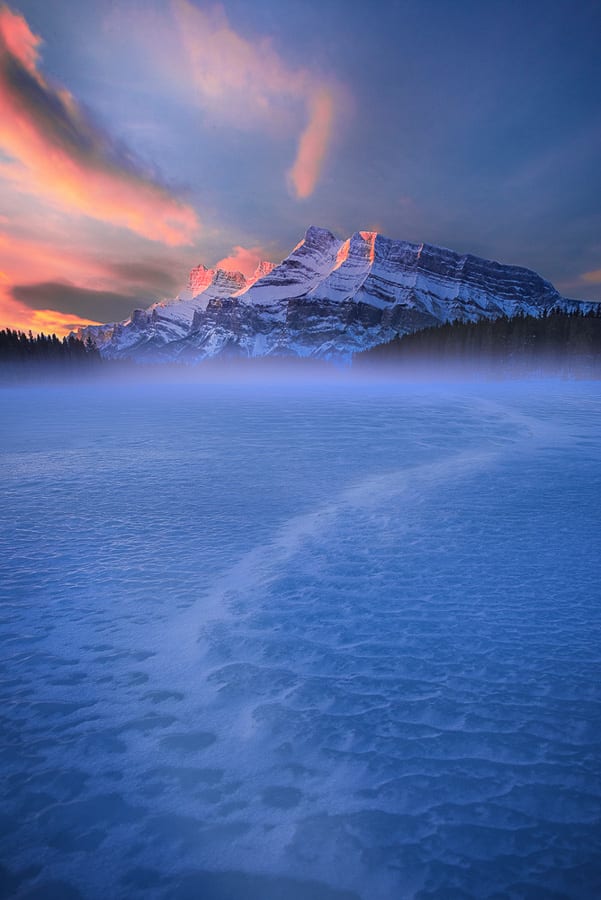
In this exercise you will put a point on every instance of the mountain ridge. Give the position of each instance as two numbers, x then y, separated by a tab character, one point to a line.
329	298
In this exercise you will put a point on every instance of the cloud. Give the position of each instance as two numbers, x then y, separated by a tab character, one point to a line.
49	279
147	279
593	277
66	298
18	39
247	84
242	259
14	314
66	185
313	144
62	155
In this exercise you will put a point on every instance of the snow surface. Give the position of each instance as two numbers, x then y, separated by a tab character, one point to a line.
304	643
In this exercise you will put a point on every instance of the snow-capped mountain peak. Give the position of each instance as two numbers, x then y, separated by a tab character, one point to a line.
327	298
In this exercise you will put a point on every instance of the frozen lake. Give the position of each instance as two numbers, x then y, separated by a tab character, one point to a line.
309	644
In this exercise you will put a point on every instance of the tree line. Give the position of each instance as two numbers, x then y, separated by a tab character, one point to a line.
21	353
555	342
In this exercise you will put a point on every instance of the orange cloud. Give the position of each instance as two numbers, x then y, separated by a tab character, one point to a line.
63	156
16	315
70	284
247	83
593	277
242	259
33	260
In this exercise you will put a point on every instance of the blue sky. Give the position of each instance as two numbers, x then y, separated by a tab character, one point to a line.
199	133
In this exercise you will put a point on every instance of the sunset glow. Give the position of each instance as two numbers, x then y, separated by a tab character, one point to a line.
313	144
18	39
60	154
242	259
300	356
592	277
138	140
20	317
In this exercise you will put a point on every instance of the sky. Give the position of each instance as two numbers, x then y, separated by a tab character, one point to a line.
139	138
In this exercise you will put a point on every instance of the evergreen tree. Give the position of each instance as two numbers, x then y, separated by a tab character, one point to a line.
554	342
24	355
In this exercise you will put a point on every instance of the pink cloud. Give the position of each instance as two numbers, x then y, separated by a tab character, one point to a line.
18	39
313	144
242	259
26	259
29	261
28	265
248	84
63	156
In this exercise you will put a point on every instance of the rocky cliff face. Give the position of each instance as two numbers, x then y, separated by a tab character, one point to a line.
327	299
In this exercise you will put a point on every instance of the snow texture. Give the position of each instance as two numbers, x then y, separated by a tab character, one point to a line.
321	644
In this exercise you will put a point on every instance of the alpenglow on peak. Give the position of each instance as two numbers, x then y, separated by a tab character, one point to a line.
329	298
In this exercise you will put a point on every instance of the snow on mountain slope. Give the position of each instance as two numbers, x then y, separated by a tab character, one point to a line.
171	320
306	267
328	298
354	262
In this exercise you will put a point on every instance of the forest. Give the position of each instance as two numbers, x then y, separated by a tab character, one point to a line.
27	355
555	343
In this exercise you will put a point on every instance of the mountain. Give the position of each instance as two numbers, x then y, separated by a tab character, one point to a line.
328	299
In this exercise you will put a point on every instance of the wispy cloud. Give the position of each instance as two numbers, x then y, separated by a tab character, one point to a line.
85	226
60	153
248	84
593	277
242	259
313	144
